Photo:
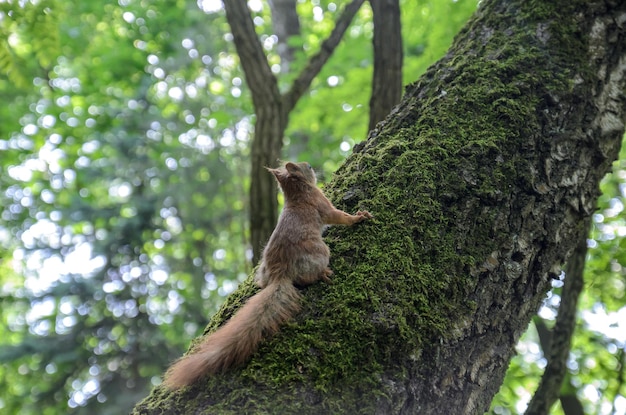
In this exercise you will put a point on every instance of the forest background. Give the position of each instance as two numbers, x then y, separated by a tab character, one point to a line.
125	132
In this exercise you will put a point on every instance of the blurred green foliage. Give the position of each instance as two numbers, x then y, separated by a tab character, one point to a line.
124	137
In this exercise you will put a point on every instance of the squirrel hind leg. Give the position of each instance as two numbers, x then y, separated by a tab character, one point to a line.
260	276
302	280
310	269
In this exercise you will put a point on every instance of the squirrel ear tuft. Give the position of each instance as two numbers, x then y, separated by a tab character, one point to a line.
279	173
291	167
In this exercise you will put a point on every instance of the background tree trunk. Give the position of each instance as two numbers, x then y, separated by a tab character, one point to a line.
272	109
480	182
387	78
286	24
271	120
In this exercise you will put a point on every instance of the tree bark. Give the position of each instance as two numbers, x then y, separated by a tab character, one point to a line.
387	42
479	182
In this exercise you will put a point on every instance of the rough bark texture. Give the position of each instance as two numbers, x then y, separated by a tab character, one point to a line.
479	181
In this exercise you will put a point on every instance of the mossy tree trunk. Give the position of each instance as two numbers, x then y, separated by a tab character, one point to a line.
480	182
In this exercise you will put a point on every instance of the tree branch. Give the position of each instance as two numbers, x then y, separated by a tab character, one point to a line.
557	349
259	76
303	81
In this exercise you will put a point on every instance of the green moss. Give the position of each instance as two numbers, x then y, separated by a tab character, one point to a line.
463	146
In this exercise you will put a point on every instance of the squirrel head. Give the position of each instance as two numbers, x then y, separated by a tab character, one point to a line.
294	175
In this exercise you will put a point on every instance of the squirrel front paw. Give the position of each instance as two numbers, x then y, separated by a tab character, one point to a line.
363	215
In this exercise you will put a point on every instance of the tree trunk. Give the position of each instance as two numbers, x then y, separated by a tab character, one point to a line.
387	42
271	120
480	182
269	128
286	24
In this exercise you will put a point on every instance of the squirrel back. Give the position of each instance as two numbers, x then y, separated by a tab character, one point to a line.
295	254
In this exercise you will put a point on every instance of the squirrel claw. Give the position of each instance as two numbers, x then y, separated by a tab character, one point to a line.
324	276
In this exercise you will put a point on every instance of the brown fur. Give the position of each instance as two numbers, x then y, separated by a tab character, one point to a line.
295	254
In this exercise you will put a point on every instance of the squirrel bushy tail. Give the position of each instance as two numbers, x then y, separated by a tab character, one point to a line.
239	338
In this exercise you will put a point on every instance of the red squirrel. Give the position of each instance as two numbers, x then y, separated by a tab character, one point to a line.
295	254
